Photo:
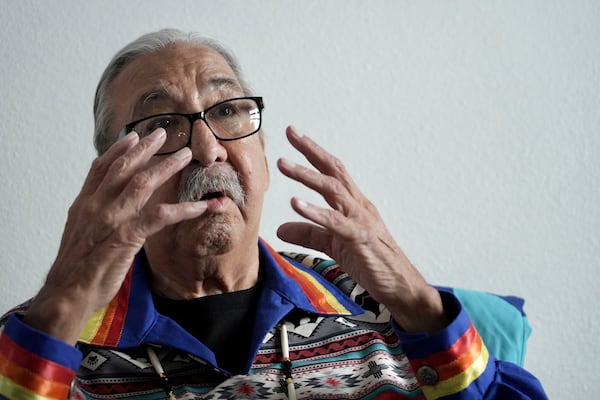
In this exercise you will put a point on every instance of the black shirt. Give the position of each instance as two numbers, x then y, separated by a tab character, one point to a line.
223	322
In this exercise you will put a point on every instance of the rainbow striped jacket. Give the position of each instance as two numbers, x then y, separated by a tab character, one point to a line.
341	343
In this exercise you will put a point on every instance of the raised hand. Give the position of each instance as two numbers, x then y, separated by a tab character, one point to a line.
107	225
353	233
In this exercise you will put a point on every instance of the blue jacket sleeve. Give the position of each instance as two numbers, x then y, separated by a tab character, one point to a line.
34	365
455	363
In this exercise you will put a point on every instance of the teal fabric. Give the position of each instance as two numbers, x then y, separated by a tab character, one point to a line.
503	327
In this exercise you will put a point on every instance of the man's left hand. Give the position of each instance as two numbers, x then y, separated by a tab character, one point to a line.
353	233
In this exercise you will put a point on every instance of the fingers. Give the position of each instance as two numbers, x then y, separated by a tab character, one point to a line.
143	184
122	169
101	164
321	216
306	235
330	231
352	217
158	217
120	161
330	188
320	158
123	180
331	180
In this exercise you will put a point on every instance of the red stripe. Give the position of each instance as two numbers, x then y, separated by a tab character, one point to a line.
315	296
462	345
28	381
102	332
457	366
111	326
118	322
47	369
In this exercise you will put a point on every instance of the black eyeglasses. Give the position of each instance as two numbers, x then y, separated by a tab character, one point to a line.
228	120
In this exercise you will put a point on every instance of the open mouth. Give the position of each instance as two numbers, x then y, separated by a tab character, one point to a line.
212	195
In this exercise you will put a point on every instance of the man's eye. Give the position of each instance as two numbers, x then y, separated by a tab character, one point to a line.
167	122
164	123
170	123
223	111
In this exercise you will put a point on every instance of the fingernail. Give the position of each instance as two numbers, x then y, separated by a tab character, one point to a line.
301	203
157	134
284	162
183	154
129	140
294	132
199	205
129	136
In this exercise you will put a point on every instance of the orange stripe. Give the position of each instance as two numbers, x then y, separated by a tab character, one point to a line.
47	369
10	390
460	346
314	292
459	382
100	337
314	295
116	327
463	362
111	327
32	381
457	366
456	359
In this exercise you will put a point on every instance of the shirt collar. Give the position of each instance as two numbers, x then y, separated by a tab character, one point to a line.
130	317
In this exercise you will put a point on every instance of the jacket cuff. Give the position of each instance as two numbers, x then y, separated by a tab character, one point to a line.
33	364
452	360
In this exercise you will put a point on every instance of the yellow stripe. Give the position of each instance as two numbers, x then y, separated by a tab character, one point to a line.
460	381
93	325
12	391
331	300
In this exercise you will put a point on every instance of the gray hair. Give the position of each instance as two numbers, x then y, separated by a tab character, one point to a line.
146	44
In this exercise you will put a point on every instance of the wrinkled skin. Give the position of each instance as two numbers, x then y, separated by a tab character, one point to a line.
197	248
353	233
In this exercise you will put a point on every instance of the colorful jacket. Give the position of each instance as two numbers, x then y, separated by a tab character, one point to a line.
342	345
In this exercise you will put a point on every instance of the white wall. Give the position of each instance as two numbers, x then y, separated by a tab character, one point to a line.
472	125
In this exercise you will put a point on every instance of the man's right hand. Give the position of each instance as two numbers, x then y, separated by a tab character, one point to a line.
106	226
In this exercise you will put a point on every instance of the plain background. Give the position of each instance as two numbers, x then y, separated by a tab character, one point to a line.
472	125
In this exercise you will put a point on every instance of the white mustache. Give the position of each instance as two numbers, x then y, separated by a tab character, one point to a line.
203	180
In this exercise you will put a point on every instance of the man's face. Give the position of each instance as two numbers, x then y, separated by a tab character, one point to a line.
188	78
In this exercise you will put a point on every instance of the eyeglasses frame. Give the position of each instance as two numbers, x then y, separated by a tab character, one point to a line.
201	115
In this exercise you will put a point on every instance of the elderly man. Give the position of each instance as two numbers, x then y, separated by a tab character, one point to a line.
162	287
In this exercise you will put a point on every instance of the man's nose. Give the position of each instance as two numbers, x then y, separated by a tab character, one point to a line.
206	148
